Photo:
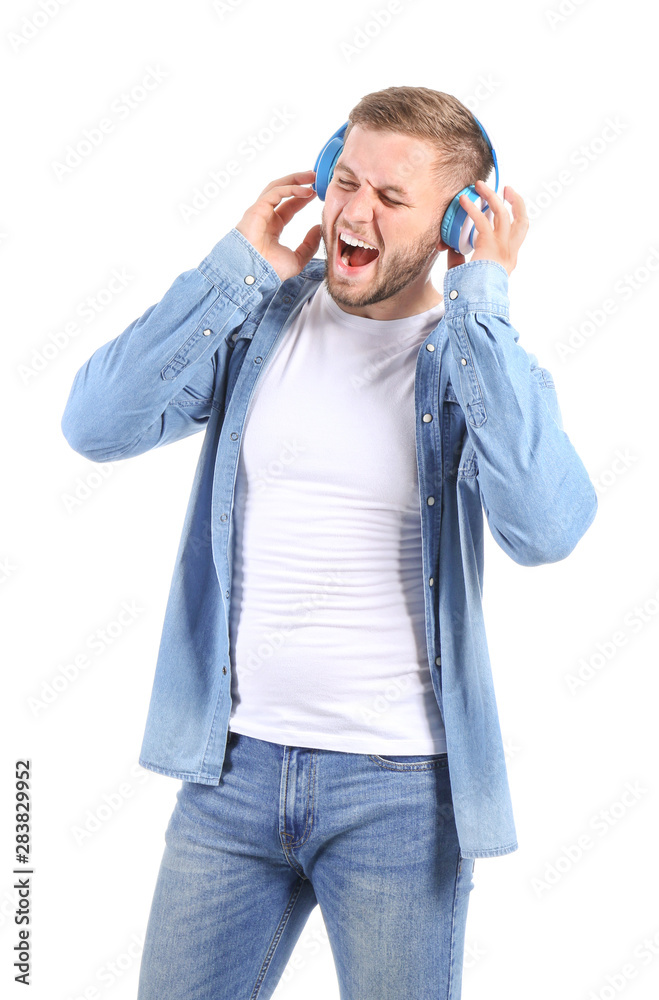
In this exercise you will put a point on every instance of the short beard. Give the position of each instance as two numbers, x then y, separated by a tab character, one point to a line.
401	269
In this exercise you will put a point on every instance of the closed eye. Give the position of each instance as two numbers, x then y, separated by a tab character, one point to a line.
349	184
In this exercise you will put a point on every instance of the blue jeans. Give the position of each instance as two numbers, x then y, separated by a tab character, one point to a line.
371	840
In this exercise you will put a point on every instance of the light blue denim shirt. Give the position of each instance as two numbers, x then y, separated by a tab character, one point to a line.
489	437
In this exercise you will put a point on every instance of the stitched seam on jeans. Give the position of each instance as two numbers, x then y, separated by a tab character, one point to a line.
451	949
275	941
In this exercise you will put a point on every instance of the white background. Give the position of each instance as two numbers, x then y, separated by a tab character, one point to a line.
543	90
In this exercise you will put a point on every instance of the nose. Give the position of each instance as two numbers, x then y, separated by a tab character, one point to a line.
358	208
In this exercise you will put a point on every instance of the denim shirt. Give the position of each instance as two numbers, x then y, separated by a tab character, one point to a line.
489	437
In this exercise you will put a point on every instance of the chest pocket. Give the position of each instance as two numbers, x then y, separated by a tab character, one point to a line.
459	456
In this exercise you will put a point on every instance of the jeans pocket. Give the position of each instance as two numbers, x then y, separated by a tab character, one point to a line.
410	762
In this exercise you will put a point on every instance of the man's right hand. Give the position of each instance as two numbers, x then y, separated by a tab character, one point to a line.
263	223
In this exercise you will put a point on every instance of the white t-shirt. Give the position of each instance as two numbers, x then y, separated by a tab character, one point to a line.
327	620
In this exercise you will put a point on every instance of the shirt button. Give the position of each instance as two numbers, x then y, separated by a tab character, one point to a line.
427	417
438	661
453	294
431	581
431	501
430	347
207	332
234	336
463	360
250	279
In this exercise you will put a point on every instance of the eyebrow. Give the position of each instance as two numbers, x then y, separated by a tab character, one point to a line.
387	187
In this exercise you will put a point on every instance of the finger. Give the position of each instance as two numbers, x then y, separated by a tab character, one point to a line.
520	216
309	245
272	196
520	224
480	222
493	200
300	177
265	207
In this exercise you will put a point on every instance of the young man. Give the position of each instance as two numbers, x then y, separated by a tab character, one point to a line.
323	689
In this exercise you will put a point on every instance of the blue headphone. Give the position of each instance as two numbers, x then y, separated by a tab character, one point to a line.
457	229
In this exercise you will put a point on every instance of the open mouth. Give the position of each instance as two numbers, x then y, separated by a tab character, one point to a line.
350	259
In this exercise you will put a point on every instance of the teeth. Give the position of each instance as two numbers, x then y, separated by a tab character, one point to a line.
355	243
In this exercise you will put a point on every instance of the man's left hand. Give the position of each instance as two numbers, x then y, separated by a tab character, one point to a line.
501	241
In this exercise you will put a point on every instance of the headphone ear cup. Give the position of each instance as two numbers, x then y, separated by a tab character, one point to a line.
326	161
453	223
458	230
